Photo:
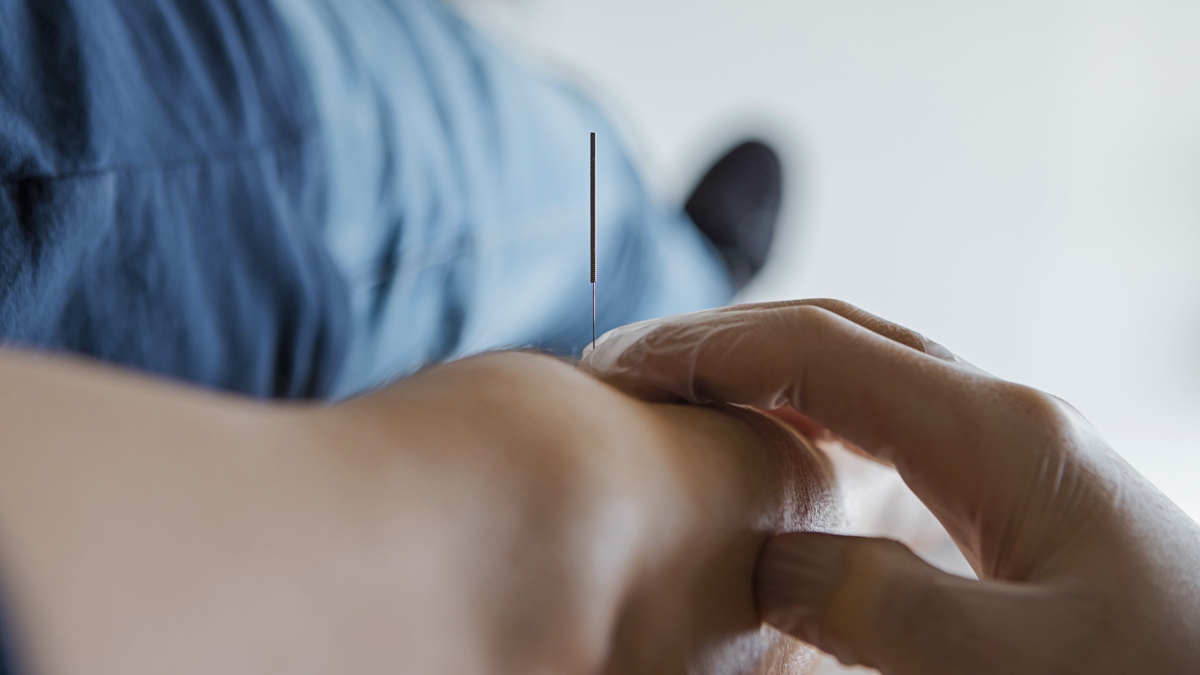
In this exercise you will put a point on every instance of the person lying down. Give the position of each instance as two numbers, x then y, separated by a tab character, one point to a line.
506	513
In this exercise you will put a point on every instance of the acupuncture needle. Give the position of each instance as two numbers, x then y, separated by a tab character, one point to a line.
593	240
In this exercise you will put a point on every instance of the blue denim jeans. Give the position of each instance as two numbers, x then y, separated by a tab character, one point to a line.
459	196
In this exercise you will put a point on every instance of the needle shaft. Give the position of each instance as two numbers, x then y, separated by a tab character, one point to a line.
593	240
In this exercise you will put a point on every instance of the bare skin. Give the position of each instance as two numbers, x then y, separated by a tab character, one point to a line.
501	514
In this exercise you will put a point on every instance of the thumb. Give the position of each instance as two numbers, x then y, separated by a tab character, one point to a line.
873	602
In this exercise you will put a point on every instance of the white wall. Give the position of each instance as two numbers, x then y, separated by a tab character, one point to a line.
1019	180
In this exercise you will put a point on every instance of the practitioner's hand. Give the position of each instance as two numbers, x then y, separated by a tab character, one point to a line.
1084	566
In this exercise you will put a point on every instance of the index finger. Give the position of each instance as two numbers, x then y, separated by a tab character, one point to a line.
888	395
892	331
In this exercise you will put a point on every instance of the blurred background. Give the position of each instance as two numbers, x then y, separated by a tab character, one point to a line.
1018	180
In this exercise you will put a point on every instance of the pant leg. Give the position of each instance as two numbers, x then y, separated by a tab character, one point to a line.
459	206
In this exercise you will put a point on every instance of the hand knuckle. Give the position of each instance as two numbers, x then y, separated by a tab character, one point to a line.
1037	411
810	318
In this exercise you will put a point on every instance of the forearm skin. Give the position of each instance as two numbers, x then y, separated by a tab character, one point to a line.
500	514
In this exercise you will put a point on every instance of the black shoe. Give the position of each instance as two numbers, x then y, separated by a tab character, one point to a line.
736	206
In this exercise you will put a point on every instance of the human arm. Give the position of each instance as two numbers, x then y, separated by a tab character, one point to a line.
1084	566
504	513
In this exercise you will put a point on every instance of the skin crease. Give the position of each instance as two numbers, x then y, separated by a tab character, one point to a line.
505	513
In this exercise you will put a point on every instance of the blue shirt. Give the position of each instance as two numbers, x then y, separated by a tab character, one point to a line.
162	194
459	195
